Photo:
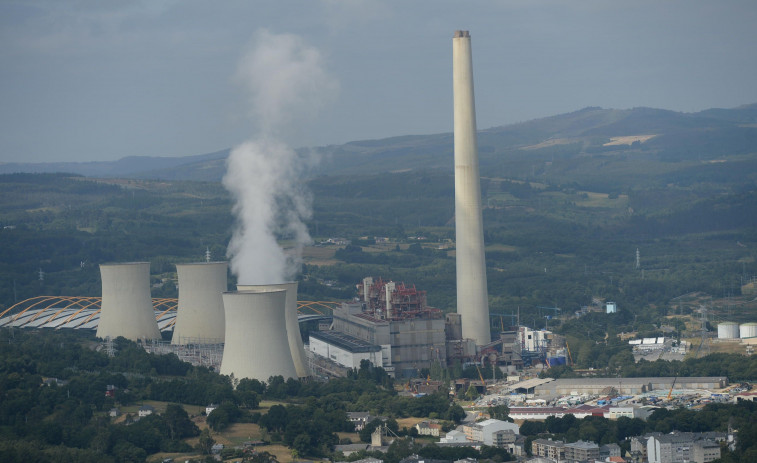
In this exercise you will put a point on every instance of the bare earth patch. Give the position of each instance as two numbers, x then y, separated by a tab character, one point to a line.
628	139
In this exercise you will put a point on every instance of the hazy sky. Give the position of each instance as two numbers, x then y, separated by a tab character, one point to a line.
98	80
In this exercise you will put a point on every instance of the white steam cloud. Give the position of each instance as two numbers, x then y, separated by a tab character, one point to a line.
287	84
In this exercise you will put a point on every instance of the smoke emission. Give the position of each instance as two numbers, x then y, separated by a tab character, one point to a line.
287	84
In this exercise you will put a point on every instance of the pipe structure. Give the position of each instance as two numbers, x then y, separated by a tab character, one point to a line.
256	344
126	308
200	316
296	347
472	294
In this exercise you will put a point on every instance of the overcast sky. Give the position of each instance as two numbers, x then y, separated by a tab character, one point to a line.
99	80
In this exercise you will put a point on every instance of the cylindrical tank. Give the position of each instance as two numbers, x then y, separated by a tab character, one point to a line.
126	308
296	347
200	315
748	330
256	342
728	330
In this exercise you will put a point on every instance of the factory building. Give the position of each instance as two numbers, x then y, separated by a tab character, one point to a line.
126	308
472	293
200	315
344	350
486	431
578	386
394	318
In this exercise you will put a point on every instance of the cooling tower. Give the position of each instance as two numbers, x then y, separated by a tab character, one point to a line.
472	295
126	304
292	324
200	316
256	342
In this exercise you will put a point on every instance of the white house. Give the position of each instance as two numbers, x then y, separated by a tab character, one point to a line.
146	410
454	437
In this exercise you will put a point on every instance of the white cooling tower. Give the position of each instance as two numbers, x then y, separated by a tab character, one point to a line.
292	324
126	308
200	316
256	342
472	294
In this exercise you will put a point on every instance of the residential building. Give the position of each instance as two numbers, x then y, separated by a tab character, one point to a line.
581	451
548	448
679	447
426	428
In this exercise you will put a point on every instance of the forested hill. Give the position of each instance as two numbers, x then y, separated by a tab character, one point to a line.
581	146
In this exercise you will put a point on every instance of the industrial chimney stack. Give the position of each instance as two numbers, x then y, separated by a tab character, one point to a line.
472	295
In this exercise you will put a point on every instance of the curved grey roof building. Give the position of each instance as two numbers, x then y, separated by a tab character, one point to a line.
256	343
296	346
200	317
126	308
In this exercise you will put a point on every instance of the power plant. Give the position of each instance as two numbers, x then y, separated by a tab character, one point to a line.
200	316
389	324
294	338
256	344
126	308
472	294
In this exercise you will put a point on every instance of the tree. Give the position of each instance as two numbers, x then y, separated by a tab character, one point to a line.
179	424
499	412
206	442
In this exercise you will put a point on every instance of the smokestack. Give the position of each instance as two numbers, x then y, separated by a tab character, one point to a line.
126	308
472	295
200	317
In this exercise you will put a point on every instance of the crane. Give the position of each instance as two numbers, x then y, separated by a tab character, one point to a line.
670	394
570	357
481	377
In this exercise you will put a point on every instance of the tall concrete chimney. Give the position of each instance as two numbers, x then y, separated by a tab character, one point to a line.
472	295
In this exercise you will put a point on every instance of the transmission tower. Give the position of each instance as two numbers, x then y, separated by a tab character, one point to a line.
704	345
638	259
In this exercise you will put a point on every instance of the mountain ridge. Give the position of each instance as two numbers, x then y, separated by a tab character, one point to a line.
586	131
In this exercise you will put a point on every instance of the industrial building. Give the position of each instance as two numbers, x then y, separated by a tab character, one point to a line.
486	431
394	318
200	315
256	343
596	386
126	308
343	349
472	293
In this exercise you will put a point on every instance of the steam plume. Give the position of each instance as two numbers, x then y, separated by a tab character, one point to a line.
287	84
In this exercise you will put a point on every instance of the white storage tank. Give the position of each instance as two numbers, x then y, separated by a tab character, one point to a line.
748	330
728	330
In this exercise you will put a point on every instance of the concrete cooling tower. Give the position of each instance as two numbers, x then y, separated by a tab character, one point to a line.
126	303
256	343
200	316
293	328
472	294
